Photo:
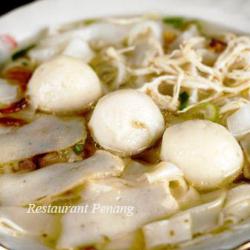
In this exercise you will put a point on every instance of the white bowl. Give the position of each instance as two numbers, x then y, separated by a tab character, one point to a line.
25	22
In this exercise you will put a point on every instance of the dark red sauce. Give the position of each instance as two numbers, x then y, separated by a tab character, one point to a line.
19	75
217	45
15	107
11	121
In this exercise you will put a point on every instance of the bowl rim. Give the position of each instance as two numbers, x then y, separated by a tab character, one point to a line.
43	13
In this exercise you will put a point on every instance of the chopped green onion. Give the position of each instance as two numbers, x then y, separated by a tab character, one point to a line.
207	111
176	22
78	148
181	23
183	97
21	52
90	21
210	111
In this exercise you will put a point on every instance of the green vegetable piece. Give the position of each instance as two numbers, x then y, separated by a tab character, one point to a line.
207	111
89	21
210	111
181	23
176	22
183	97
78	148
21	52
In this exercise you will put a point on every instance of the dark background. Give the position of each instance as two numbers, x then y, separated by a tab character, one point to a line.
11	4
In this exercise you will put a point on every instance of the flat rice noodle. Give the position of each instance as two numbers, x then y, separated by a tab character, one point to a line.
238	194
168	232
109	33
168	173
20	242
184	225
134	170
184	37
104	32
239	123
21	230
130	241
227	240
149	202
45	134
20	221
189	199
206	217
152	28
164	171
21	189
146	36
8	92
237	206
79	49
